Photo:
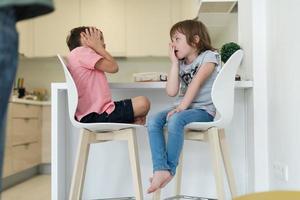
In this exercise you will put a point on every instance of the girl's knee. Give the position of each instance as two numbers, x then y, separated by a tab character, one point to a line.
176	122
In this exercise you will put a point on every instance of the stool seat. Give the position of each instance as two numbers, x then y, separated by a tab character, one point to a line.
201	126
106	127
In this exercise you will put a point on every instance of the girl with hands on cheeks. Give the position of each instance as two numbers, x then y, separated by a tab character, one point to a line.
194	67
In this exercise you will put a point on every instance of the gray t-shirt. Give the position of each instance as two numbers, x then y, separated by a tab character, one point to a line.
203	98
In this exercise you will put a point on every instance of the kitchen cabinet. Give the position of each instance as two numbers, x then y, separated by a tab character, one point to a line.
23	143
147	27
109	17
131	27
148	24
50	31
46	134
46	35
26	37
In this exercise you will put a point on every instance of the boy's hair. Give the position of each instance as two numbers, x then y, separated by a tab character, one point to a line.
73	39
191	28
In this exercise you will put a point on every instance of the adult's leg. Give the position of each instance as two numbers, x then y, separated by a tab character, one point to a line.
8	66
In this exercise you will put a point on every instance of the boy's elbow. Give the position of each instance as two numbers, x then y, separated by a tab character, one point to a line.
115	68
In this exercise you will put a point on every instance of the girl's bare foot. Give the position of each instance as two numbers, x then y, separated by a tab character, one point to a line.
159	179
150	179
166	182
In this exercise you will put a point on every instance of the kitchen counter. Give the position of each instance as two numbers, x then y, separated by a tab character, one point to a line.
154	85
109	160
31	102
162	85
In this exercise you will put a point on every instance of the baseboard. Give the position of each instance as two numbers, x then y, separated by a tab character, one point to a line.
45	168
17	178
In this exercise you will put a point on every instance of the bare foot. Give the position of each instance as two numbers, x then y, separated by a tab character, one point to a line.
166	182
159	178
150	179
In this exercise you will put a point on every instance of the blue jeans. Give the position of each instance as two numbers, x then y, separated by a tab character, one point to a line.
8	67
165	154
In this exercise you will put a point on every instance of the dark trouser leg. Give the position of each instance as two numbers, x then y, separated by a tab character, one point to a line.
8	66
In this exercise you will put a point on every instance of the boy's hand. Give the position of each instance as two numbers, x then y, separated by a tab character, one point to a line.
92	37
172	55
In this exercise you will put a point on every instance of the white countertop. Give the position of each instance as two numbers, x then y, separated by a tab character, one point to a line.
153	85
31	102
162	85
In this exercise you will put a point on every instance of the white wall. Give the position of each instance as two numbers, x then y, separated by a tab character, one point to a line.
229	33
283	50
252	39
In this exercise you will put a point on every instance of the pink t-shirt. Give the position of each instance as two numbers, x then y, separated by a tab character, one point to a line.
93	90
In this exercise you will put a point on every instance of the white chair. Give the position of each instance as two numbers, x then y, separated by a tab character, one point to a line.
213	132
96	133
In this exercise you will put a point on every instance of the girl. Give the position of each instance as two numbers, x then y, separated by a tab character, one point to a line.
195	65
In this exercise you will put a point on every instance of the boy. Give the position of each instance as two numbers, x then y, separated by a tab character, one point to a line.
87	62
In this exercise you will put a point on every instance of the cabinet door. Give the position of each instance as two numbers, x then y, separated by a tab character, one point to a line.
25	130
26	39
147	27
46	134
26	156
50	31
185	9
7	164
109	17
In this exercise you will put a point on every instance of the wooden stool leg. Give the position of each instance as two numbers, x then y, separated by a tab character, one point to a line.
213	139
227	164
135	165
178	176
80	165
156	195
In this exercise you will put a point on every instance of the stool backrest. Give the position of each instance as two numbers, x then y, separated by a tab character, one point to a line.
72	93
223	89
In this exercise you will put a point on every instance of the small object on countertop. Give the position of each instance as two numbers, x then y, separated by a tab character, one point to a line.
163	77
21	92
237	77
150	76
41	93
31	97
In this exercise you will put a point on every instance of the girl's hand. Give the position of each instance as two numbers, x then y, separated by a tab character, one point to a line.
172	112
172	55
92	37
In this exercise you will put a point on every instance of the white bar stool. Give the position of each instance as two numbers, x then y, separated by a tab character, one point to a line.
97	133
213	132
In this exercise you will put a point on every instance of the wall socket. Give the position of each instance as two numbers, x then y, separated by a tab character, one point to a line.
280	171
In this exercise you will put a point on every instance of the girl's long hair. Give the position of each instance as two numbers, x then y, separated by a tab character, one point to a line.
192	28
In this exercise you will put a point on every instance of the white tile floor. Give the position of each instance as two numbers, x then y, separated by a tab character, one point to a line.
36	188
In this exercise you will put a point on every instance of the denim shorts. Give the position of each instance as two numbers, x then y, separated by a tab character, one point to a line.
123	113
